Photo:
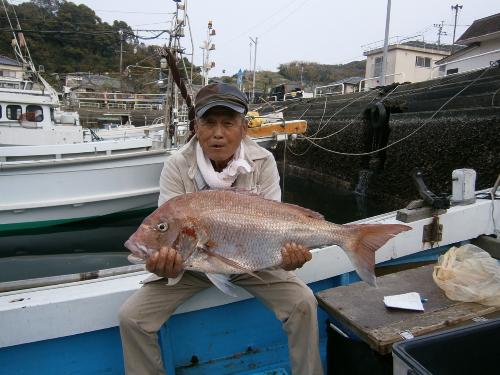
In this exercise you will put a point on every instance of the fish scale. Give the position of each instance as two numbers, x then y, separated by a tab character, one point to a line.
228	232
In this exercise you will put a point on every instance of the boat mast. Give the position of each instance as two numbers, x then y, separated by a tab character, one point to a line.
18	43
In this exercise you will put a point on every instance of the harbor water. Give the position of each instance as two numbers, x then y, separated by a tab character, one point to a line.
98	244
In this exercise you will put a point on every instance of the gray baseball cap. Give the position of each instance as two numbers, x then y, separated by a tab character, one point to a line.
220	94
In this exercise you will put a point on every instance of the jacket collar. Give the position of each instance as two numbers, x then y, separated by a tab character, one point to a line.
252	152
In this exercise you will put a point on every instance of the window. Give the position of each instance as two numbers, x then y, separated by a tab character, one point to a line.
424	62
14	112
452	71
377	71
8	73
34	113
0	111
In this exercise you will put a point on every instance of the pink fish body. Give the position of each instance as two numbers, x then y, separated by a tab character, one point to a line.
230	232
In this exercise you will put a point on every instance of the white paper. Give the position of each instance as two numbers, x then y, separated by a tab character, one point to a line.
407	301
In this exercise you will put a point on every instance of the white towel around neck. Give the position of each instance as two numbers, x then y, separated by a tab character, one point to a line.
225	179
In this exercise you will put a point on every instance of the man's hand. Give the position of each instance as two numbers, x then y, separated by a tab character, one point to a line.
294	256
165	263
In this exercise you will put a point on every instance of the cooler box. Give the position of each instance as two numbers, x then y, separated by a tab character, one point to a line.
463	351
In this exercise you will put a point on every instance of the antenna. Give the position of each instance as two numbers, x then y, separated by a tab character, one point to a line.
440	31
455	7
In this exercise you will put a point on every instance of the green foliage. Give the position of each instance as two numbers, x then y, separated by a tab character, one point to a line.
315	74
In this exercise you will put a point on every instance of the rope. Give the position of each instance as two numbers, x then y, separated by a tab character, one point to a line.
407	136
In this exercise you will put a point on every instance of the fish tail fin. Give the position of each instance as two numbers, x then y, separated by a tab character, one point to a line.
364	240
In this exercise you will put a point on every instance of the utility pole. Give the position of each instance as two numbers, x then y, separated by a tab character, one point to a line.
455	7
386	41
120	32
440	31
254	62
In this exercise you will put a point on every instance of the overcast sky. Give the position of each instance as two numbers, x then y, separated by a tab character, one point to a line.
323	31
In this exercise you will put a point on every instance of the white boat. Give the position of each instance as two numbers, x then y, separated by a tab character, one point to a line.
53	171
48	185
72	327
31	116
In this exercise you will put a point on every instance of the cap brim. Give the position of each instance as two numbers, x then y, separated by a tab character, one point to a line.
220	103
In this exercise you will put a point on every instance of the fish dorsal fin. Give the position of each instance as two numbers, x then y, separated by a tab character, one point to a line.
306	211
223	284
234	189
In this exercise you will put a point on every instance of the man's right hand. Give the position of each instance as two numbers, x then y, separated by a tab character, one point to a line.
166	262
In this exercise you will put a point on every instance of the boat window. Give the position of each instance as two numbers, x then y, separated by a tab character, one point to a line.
14	112
34	113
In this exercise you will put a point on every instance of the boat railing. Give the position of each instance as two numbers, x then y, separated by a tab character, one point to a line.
11	286
328	90
157	107
364	84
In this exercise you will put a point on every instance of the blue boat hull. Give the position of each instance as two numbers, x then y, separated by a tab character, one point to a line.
237	338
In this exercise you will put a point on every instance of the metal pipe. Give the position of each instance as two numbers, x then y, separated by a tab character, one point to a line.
386	41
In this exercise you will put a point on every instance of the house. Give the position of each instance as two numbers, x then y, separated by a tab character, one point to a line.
87	82
482	41
10	72
343	86
412	61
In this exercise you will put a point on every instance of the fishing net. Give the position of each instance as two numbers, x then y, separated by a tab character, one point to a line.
469	274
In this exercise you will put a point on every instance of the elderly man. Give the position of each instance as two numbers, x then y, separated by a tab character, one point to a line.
219	156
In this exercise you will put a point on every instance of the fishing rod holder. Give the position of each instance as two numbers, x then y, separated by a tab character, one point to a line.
437	202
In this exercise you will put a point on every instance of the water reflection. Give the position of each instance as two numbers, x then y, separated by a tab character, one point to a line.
98	244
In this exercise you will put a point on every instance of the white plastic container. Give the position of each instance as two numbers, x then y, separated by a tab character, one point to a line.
463	186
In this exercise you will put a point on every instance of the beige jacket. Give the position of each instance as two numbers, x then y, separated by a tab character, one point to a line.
180	175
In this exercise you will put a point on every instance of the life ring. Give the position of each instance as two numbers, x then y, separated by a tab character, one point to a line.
376	114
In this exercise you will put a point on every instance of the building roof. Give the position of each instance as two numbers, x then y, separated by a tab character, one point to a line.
422	44
350	80
4	60
442	49
481	28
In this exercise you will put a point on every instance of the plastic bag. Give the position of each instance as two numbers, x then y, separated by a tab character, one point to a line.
469	274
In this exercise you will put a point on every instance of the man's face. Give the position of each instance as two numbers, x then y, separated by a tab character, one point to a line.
220	132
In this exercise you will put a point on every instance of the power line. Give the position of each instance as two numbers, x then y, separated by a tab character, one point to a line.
112	32
130	12
260	23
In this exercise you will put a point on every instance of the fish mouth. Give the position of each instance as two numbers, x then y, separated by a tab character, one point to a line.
137	249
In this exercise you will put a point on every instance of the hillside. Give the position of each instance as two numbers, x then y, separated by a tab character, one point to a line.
309	73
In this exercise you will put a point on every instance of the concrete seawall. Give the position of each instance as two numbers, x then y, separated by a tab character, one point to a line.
465	133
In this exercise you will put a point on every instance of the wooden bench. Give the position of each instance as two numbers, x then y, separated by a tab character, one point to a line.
360	308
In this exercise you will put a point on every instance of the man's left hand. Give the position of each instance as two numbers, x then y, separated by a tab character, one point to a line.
294	256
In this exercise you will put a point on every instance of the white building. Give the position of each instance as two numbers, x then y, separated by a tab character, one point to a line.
412	61
482	41
11	71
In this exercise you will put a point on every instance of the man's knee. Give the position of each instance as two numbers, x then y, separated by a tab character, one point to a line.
306	302
127	315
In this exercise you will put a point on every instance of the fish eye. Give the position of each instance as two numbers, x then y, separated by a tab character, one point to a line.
162	227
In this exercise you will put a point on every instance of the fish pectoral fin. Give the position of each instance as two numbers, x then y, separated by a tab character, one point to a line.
231	263
175	280
223	284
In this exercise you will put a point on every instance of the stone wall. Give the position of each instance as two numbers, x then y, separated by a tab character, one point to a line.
465	133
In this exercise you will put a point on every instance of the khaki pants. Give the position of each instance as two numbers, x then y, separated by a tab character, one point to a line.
293	303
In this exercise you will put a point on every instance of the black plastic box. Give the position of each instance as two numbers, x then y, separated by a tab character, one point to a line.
471	350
